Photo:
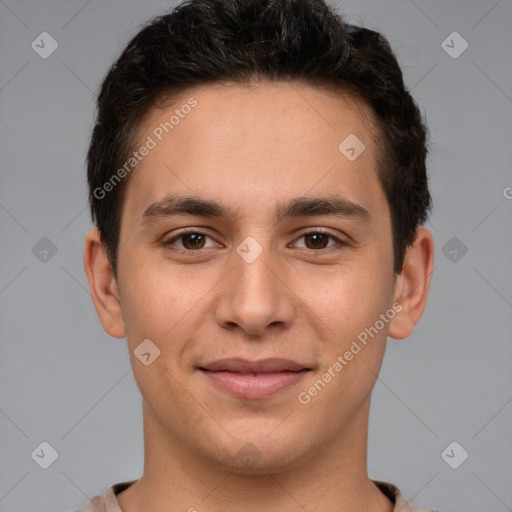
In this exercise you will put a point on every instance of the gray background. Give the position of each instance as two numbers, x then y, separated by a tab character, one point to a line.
66	382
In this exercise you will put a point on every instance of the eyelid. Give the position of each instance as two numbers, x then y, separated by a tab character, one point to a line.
324	231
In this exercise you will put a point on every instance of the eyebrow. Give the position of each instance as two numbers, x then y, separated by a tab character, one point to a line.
335	205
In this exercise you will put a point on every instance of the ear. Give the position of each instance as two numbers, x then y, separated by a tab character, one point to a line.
412	284
103	286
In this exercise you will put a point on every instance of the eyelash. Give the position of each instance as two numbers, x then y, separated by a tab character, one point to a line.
170	242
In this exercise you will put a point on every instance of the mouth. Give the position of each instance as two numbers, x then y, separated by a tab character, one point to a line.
254	379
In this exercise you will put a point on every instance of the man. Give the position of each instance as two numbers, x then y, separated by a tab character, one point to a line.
257	178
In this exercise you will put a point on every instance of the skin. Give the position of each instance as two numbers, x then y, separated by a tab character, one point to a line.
249	149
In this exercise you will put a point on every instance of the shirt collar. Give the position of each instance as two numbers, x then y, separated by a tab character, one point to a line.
390	490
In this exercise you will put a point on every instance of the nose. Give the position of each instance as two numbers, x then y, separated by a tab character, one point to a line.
254	296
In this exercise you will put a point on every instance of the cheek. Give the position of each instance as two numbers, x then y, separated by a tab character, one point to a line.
160	386
163	308
349	304
346	300
151	301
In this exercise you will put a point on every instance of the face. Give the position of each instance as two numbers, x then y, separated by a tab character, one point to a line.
270	296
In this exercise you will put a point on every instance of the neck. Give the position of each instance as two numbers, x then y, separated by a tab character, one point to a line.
333	478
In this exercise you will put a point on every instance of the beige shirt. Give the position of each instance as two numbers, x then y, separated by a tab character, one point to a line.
109	502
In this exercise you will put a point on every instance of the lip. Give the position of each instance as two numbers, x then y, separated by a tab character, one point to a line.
241	365
254	379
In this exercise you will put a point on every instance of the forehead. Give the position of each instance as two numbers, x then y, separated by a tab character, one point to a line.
261	142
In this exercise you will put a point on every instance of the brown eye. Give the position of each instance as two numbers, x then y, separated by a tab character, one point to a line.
318	240
188	241
193	240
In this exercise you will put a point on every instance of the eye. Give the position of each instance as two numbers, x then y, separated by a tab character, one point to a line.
318	240
193	241
190	241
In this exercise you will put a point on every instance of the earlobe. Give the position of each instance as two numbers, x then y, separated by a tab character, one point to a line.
413	284
103	286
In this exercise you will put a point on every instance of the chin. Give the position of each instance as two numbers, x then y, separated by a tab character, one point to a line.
261	452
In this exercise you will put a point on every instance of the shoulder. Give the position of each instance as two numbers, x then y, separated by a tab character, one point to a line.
96	504
109	502
401	503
